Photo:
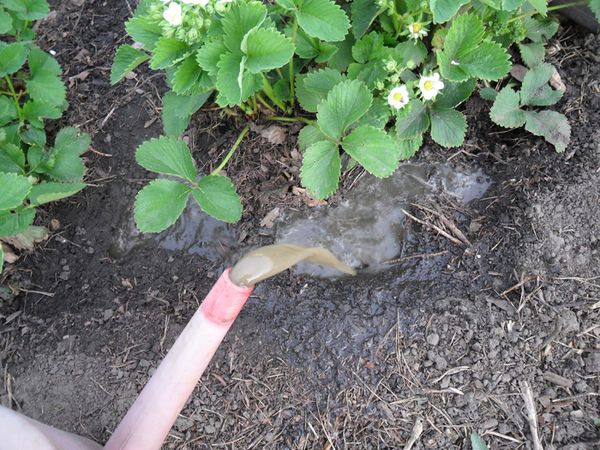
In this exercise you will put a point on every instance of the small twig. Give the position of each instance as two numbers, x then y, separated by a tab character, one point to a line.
531	415
457	231
503	436
452	371
108	116
93	150
434	227
415	434
518	285
420	255
30	291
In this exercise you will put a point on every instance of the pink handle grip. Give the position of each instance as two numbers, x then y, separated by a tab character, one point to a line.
148	421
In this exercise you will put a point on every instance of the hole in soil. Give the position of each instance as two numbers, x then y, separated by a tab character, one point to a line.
368	227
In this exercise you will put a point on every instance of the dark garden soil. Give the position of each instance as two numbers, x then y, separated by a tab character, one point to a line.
433	347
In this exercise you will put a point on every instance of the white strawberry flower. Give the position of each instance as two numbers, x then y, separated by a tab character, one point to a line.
398	97
430	86
173	14
417	30
202	3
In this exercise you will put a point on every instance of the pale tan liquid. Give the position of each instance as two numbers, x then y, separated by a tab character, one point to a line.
265	262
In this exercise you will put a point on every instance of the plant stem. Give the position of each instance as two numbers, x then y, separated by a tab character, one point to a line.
567	5
253	103
232	151
268	89
15	98
551	8
292	119
291	64
264	103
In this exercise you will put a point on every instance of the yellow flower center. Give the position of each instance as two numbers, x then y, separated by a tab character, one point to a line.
398	97
416	27
428	85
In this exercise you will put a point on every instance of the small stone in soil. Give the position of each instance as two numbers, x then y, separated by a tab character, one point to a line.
433	339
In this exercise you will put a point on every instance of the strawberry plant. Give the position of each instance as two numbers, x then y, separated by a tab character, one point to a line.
368	78
32	173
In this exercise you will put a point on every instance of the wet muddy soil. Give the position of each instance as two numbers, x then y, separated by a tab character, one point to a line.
439	333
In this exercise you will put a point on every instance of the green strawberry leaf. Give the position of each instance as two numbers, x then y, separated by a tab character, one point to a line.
540	29
1	256
308	136
407	148
49	192
218	198
312	88
234	85
322	19
448	127
69	144
12	159
412	120
208	56
444	10
343	56
266	49
532	54
144	31
35	111
511	5
287	5
12	223
159	205
455	93
506	110
45	85
6	26
28	9
178	110
321	169
371	73
551	125
535	90
190	79
167	52
465	55
363	13
168	156
8	112
12	58
477	443
369	48
325	51
378	114
540	6
40	61
126	60
34	136
374	149
410	52
239	20
347	102
594	5
488	93
15	189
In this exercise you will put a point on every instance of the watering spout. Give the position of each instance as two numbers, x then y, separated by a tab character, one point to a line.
266	262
